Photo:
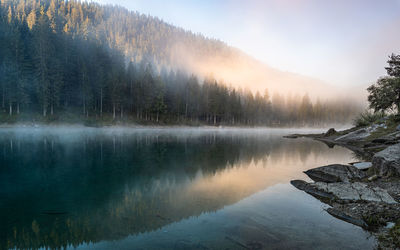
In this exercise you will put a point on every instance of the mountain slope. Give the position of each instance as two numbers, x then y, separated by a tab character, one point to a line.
141	37
67	56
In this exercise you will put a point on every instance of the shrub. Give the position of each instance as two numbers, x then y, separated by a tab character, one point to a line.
367	118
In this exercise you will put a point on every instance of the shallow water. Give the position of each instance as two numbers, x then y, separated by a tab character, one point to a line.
177	188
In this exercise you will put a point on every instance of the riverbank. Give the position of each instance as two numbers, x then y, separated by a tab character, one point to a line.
365	193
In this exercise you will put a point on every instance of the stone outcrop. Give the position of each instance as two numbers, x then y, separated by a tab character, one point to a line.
359	134
335	173
366	194
354	136
387	161
344	191
356	191
312	190
389	139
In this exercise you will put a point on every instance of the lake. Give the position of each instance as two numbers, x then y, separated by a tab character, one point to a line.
165	188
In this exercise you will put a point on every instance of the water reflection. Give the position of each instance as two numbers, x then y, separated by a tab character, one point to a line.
63	188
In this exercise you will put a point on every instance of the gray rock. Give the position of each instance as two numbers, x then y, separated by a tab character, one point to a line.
388	139
354	136
362	165
356	191
360	134
299	184
312	190
396	135
390	225
335	173
345	217
387	161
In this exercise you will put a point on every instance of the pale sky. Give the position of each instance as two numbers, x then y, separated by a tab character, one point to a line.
343	42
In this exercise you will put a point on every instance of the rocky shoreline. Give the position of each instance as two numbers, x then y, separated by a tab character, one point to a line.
366	193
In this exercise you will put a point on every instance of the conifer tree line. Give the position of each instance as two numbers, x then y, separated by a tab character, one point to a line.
59	56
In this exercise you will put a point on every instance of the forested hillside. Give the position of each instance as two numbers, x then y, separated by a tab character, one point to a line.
69	57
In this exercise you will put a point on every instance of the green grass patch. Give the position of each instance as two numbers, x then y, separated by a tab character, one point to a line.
391	125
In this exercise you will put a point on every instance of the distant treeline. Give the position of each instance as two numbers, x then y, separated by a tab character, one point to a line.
51	62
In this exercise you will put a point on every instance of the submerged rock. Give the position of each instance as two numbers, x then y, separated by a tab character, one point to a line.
335	173
387	161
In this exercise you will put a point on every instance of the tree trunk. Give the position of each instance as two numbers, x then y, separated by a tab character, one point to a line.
3	103
44	110
122	111
101	102
131	91
51	109
157	117
10	111
114	111
215	119
17	107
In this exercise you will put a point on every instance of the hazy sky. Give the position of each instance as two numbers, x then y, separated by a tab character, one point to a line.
343	42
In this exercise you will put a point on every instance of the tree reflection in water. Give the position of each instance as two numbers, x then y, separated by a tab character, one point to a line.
66	187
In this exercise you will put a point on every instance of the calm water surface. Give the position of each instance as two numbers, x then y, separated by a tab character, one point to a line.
165	189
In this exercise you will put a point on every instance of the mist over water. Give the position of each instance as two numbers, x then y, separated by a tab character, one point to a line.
164	188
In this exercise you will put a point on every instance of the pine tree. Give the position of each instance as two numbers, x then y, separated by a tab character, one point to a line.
44	49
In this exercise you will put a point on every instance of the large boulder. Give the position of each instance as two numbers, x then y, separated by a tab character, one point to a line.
387	161
335	173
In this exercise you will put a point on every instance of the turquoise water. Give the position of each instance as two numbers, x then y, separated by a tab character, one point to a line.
176	188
